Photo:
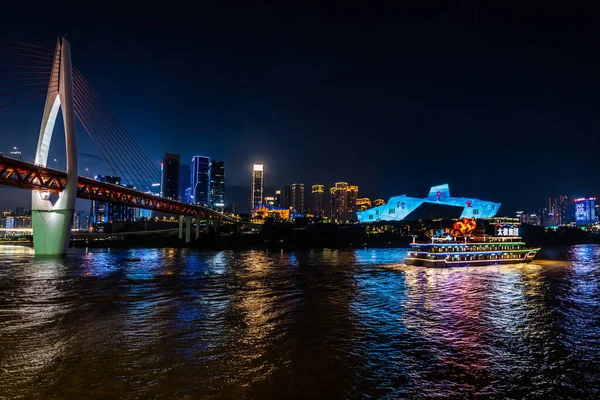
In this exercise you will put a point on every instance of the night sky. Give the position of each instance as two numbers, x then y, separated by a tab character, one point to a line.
499	101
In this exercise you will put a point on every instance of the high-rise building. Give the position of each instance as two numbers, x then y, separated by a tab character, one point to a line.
200	180
532	219
258	184
339	206
564	207
287	197
170	176
184	183
298	197
317	200
278	198
352	196
269	201
585	211
553	213
343	202
217	184
331	211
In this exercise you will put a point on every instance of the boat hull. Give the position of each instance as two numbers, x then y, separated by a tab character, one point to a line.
421	262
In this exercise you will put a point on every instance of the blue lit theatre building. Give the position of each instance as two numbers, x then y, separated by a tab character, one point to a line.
438	204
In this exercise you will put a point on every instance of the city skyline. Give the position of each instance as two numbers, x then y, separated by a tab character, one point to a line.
438	92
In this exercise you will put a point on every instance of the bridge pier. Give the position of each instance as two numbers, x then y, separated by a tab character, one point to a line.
181	227
188	229
51	223
197	226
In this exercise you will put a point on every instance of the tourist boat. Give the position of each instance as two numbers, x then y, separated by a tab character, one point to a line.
463	246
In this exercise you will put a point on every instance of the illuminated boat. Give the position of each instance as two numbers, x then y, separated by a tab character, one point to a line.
462	246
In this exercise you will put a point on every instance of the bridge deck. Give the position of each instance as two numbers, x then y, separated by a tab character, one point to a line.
21	174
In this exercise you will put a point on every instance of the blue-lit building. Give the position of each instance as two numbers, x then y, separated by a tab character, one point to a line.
438	204
585	211
200	180
217	184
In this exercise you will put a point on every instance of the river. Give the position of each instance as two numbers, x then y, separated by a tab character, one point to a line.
173	323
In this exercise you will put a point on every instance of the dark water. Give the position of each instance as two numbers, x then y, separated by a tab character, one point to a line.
319	324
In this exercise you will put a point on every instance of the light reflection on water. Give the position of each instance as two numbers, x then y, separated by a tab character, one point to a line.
317	323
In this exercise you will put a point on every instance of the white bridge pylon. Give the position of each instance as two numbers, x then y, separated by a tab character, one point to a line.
51	223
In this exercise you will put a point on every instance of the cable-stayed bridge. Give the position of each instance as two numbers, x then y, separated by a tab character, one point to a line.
37	72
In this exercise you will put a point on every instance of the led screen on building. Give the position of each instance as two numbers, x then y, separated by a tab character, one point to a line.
584	211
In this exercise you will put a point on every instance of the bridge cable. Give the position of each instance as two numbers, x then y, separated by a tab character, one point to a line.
81	119
85	114
123	131
105	129
114	167
31	45
22	100
138	154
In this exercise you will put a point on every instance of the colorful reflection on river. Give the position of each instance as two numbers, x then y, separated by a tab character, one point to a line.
317	323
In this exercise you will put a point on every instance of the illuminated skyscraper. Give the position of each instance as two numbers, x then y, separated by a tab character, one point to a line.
565	209
298	197
585	211
200	180
317	200
339	204
217	184
352	196
258	184
170	176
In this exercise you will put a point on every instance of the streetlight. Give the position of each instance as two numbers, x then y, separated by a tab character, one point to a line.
87	172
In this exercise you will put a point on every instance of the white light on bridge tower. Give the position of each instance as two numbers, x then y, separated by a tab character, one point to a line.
51	223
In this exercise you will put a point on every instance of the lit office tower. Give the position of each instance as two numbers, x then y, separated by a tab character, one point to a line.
184	183
339	202
317	200
258	184
200	180
217	184
170	176
298	197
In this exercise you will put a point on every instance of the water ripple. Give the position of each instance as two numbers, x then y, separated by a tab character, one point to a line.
168	323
